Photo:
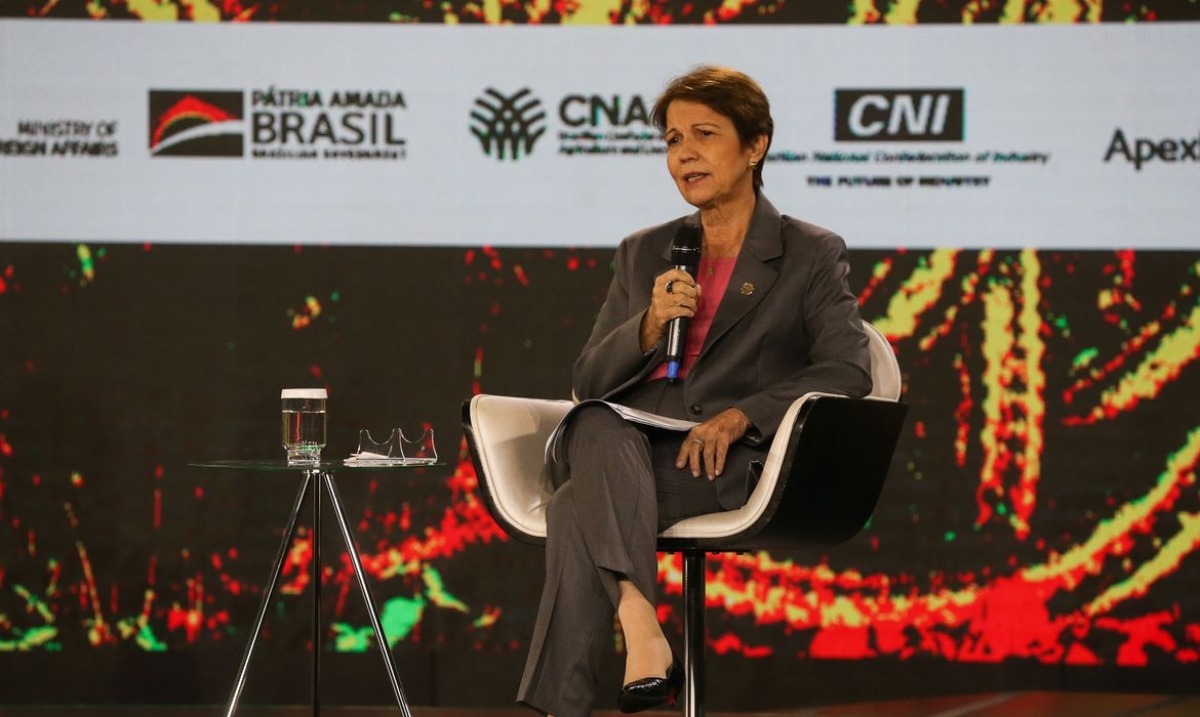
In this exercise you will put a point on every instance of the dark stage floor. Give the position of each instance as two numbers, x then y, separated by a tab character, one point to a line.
1012	704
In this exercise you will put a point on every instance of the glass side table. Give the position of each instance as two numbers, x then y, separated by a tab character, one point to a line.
316	483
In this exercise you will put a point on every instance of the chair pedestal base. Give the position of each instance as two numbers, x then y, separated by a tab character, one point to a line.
693	633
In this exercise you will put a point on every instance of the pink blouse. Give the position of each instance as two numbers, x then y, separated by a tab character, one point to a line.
713	277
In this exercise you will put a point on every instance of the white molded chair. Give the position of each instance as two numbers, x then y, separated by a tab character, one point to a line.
822	477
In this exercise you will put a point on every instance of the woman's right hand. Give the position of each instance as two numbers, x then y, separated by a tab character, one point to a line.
667	305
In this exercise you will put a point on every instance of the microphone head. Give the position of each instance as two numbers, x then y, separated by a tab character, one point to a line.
685	250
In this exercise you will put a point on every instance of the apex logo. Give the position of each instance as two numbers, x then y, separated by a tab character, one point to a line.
1145	150
197	123
508	126
899	115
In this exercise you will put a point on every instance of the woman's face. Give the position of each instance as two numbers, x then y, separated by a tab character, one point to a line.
706	157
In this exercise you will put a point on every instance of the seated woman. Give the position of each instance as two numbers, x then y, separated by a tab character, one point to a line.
771	318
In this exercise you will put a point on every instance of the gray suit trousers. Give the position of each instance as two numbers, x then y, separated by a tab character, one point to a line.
619	489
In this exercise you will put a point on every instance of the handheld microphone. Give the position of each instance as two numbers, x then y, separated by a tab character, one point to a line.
685	255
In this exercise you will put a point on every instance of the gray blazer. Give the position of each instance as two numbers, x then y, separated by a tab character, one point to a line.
788	324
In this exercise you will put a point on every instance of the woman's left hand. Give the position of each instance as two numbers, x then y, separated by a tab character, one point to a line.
707	444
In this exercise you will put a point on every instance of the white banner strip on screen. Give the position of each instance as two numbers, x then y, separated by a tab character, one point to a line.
1075	136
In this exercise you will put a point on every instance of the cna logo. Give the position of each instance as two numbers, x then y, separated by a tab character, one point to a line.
185	123
899	115
507	127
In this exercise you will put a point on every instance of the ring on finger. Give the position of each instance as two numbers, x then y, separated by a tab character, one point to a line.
697	440
669	286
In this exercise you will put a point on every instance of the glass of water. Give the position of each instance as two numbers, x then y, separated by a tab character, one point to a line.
303	424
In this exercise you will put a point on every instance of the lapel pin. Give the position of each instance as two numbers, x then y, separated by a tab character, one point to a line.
747	289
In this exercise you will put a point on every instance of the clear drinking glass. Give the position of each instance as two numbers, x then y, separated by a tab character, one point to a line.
303	424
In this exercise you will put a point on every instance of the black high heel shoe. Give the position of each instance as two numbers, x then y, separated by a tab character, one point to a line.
651	692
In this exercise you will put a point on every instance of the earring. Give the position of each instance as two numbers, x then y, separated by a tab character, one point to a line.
753	164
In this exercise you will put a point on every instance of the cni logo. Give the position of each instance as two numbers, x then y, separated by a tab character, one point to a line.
186	123
911	115
508	127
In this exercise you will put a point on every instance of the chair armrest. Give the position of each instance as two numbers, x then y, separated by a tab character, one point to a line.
838	455
820	482
716	529
507	436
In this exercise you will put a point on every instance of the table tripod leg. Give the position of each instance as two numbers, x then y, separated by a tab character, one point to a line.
276	569
316	578
336	501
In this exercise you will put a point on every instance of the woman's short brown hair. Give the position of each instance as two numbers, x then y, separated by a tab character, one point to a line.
728	92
